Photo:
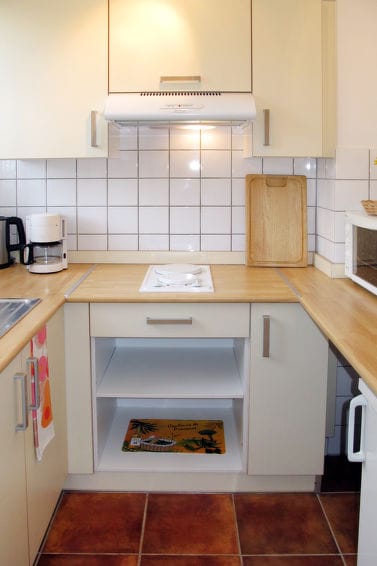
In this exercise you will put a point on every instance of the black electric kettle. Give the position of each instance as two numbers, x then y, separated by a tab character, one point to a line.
5	239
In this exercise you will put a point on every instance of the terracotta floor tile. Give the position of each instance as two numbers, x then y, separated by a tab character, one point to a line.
190	524
190	561
292	561
282	524
350	559
87	560
97	523
342	510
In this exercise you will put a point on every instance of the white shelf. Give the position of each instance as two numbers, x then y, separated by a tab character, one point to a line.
112	458
166	372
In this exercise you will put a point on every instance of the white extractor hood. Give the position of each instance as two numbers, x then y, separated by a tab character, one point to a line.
180	107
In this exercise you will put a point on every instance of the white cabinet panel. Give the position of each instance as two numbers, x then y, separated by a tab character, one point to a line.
294	77
53	68
13	512
45	479
169	38
29	489
288	388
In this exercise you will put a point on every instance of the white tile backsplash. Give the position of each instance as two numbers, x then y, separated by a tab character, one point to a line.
185	242
181	189
123	220
185	163
154	220
216	192
61	168
91	192
31	192
61	192
215	219
7	192
8	169
153	164
122	192
184	192
92	220
31	168
185	220
92	168
125	166
154	192
352	163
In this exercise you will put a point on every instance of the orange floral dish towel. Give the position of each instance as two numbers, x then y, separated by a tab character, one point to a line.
43	424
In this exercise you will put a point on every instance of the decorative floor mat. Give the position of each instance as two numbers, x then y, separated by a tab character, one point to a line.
167	435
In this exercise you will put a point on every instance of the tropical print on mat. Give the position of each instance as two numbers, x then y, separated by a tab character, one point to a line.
167	435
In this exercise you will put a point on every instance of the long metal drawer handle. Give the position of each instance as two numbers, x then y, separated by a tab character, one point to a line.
21	377
187	320
266	336
34	380
266	118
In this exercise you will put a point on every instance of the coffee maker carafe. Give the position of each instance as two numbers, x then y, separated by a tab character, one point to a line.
46	250
6	245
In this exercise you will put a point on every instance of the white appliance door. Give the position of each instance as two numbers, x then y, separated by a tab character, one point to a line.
367	546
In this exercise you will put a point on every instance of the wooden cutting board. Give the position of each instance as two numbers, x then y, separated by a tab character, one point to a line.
276	224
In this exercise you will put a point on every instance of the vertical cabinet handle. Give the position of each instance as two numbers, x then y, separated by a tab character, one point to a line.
21	379
353	456
266	121
33	377
93	129
266	336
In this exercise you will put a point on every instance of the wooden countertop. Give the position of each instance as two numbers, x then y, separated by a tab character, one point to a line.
16	282
232	284
346	313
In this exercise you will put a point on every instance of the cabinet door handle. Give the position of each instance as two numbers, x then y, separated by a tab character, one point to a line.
266	121
93	129
266	336
33	376
187	320
181	79
353	456
21	378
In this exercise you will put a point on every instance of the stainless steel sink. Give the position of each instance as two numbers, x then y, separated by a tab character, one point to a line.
12	310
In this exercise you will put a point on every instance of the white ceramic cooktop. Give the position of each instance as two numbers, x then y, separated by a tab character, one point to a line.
177	278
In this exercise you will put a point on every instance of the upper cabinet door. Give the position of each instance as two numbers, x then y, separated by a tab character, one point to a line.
150	39
293	77
53	69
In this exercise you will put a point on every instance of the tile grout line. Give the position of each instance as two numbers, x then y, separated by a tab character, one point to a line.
143	528
318	495
236	529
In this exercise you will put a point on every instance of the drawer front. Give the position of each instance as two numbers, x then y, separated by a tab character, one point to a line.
160	320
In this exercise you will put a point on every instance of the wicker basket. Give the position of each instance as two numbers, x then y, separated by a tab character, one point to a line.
151	447
370	206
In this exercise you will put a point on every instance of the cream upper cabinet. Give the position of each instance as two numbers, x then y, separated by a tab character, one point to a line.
293	77
150	39
53	68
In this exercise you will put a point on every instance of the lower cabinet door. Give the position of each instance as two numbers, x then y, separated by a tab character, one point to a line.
45	479
288	387
13	513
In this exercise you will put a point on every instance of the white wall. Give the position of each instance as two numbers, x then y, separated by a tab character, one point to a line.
357	73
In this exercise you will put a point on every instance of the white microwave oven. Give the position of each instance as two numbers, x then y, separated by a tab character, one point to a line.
361	249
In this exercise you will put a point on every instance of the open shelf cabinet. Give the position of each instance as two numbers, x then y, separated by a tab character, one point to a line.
167	378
